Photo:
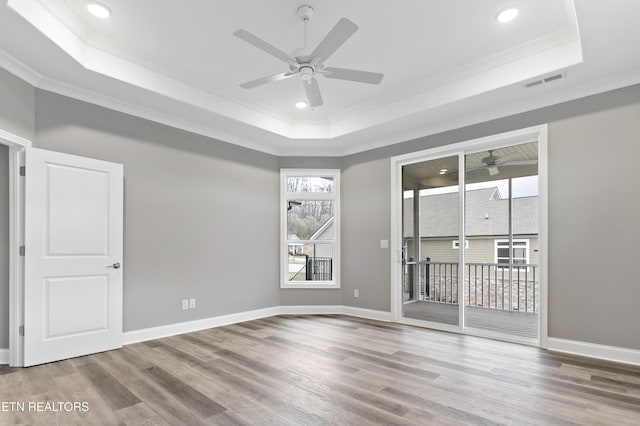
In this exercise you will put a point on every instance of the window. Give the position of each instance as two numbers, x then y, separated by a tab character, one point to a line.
520	252
310	228
455	244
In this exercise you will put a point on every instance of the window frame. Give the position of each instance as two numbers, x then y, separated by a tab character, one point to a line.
285	197
527	247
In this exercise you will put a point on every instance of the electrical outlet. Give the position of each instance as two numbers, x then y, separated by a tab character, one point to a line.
185	304
192	303
356	293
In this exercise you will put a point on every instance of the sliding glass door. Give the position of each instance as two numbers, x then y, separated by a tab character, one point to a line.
502	232
470	261
430	237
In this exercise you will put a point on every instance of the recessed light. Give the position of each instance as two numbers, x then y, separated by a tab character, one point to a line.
443	171
507	15
99	10
301	105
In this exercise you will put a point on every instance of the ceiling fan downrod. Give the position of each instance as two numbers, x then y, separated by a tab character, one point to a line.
305	12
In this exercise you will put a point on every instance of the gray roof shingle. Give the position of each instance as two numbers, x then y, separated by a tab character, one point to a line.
487	214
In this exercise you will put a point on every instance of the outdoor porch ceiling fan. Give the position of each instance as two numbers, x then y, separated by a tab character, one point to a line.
308	64
491	163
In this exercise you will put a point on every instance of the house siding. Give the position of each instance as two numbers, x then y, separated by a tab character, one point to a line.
481	249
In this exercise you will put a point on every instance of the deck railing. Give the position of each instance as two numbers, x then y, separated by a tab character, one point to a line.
315	269
486	285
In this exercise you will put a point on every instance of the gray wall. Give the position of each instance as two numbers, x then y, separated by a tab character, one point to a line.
201	216
594	146
593	226
17	105
4	247
366	216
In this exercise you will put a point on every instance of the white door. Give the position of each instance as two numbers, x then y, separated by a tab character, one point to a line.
73	256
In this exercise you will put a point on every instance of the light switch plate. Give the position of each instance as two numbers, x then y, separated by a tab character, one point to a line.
384	244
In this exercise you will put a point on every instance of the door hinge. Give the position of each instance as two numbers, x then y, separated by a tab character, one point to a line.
23	170
22	250
21	330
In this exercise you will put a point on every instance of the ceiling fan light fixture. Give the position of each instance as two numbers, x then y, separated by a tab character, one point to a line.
507	15
301	105
99	10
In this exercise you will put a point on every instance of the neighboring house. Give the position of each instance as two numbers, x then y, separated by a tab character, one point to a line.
318	265
325	232
487	227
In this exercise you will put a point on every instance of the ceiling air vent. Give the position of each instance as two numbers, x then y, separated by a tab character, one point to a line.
544	80
534	83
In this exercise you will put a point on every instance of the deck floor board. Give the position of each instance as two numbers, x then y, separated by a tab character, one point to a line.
520	324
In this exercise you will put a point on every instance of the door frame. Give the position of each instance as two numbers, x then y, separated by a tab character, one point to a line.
529	134
17	152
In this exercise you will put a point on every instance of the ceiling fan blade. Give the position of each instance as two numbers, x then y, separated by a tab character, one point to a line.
354	75
313	93
336	38
520	163
267	79
263	45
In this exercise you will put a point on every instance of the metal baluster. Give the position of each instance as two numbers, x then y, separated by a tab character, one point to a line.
445	284
432	283
482	284
446	295
502	278
495	280
456	292
518	288
526	288
451	286
469	279
534	289
443	280
475	284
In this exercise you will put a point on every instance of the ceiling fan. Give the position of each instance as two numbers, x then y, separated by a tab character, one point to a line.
308	64
491	163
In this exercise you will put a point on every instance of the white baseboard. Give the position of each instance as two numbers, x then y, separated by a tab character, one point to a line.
593	350
309	310
366	313
152	333
144	334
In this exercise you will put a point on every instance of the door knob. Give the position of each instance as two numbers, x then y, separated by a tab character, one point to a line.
114	266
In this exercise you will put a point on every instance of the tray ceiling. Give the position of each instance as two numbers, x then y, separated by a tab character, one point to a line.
446	64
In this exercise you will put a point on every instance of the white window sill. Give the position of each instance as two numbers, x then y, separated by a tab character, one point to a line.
314	285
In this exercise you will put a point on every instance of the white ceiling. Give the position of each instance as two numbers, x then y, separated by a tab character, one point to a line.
446	64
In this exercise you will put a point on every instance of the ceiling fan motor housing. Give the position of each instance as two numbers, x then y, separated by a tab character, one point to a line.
306	73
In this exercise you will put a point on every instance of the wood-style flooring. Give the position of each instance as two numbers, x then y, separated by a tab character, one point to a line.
326	370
